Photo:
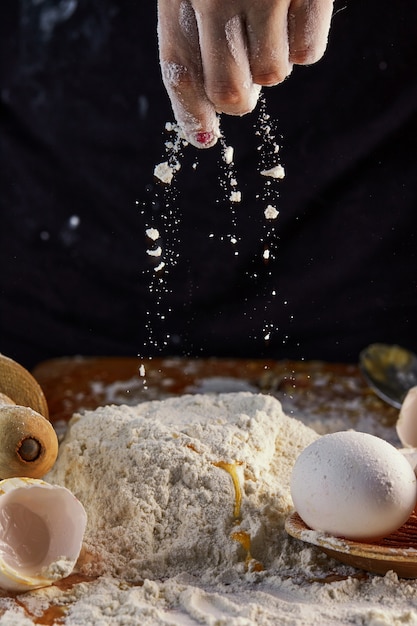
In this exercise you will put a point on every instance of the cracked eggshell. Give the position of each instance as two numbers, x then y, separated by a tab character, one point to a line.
406	425
353	485
41	532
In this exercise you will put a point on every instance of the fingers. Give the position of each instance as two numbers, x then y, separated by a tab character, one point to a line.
308	29
216	54
286	32
267	27
224	55
182	73
205	65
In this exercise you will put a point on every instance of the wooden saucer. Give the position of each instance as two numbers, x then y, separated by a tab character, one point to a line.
397	552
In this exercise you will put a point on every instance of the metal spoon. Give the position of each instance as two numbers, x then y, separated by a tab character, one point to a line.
389	370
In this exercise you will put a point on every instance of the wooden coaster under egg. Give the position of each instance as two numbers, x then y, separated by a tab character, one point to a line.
397	552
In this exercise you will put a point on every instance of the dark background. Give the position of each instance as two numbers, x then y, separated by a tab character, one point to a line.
82	117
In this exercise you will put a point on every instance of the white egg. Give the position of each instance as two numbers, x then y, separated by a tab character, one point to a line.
353	485
407	421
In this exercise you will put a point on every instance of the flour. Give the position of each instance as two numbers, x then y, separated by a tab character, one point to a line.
187	22
235	196
191	483
228	154
152	233
186	601
159	267
58	569
271	213
162	228
154	251
234	37
165	172
277	171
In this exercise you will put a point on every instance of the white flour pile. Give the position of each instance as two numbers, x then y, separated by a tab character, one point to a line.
178	543
196	484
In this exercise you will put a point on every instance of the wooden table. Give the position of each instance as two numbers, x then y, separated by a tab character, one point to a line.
326	396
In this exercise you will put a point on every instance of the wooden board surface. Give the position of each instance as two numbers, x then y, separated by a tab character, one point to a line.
310	390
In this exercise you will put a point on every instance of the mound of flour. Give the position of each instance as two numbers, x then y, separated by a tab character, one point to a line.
196	484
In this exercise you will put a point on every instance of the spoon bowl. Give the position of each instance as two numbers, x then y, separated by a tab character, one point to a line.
390	371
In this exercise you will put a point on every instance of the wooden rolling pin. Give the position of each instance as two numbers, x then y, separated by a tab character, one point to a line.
28	442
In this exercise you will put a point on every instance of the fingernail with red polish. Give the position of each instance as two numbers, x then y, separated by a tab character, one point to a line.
204	137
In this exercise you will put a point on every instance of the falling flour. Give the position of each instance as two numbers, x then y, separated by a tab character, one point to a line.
228	154
235	196
271	213
165	172
152	233
277	171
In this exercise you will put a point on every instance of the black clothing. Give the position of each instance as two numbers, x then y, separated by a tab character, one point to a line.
82	116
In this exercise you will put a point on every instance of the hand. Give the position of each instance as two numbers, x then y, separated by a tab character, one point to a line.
216	54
